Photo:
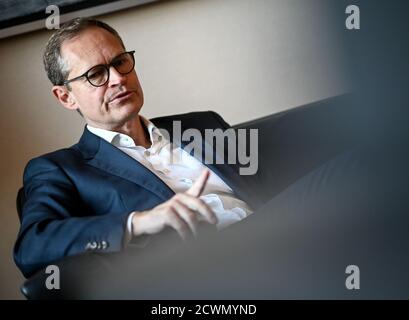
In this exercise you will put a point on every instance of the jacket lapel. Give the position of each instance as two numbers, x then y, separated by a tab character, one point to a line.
108	158
104	156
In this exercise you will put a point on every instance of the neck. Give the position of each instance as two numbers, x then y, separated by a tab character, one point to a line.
135	129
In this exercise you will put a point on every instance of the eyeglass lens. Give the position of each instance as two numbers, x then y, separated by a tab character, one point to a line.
99	75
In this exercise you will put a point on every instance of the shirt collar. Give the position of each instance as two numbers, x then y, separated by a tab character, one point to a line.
123	140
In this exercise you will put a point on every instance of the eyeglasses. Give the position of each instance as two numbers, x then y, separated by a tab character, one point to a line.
99	74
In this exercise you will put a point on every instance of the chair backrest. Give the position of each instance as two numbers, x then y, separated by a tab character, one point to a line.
21	198
293	142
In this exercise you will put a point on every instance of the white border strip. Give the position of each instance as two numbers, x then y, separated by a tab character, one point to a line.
89	12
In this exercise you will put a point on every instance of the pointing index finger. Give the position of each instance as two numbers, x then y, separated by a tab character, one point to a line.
197	188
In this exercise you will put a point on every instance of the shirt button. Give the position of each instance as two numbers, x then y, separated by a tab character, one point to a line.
147	153
187	181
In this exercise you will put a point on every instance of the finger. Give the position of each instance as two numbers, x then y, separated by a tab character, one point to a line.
177	223
198	205
188	215
197	188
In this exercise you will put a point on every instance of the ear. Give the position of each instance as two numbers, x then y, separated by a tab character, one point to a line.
65	97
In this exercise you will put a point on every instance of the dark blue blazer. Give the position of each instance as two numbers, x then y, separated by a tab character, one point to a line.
79	198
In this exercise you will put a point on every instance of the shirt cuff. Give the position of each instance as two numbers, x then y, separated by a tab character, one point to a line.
128	231
129	240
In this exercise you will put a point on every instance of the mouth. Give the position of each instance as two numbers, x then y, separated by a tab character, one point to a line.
122	96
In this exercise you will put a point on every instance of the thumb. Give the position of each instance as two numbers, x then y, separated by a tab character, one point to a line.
197	188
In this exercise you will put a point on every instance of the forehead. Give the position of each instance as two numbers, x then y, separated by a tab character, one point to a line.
91	47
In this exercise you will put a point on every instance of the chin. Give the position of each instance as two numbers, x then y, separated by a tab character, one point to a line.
128	111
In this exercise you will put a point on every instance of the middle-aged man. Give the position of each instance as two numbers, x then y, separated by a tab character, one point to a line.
124	180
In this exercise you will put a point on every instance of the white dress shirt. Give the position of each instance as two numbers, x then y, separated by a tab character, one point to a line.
179	170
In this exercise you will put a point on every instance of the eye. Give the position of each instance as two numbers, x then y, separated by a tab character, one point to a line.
118	62
97	73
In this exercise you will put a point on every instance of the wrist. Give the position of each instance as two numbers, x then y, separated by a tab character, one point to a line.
137	218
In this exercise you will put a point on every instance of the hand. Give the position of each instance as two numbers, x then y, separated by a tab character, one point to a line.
182	213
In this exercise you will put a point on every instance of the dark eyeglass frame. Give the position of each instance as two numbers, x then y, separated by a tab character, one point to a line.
107	67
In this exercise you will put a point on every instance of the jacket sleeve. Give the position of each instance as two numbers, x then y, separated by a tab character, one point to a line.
55	222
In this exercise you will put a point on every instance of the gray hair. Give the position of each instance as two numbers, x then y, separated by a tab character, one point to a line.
55	66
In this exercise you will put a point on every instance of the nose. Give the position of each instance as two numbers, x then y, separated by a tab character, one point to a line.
115	78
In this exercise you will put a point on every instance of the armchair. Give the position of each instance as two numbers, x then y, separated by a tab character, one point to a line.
291	143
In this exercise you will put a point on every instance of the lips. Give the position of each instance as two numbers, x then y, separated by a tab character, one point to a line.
121	96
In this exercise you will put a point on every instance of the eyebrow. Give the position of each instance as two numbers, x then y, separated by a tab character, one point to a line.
104	64
101	64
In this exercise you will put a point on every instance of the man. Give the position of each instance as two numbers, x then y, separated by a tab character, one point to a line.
121	182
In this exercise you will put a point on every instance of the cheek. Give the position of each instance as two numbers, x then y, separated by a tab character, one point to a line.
98	96
134	78
93	100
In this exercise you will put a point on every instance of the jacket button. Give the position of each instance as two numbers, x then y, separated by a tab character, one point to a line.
91	245
104	245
